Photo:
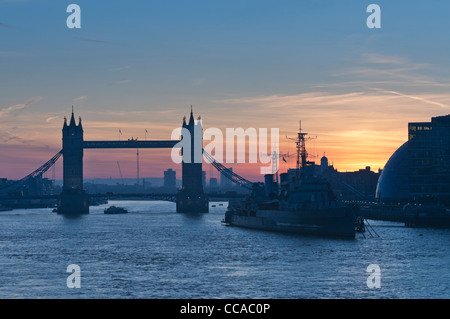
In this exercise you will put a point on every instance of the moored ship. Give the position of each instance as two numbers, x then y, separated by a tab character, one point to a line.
302	203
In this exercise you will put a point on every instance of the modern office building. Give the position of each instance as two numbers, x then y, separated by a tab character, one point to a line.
429	159
420	169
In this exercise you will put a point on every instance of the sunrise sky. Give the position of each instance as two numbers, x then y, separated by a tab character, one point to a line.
139	65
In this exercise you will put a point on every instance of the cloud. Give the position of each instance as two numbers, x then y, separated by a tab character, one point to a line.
324	104
356	128
4	25
119	82
51	118
376	58
6	137
80	98
418	98
126	67
388	70
12	108
91	40
14	54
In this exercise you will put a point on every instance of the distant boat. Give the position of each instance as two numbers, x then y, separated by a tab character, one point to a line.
4	209
115	210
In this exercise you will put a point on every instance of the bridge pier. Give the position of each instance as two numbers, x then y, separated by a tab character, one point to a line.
73	202
192	203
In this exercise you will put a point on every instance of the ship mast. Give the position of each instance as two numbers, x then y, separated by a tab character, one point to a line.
302	154
300	143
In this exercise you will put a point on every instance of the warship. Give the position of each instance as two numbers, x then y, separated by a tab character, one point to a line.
301	203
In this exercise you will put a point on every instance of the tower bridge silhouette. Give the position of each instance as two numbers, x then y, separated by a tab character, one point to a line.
73	199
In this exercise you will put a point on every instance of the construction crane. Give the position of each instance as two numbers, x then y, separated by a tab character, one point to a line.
120	172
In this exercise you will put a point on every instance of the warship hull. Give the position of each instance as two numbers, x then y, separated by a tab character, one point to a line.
333	222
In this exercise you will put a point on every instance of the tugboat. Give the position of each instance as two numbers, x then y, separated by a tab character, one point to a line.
304	204
113	210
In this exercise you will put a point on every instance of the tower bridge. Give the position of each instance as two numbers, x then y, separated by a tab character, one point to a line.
74	199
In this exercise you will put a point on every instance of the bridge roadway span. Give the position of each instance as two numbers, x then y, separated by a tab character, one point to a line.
130	144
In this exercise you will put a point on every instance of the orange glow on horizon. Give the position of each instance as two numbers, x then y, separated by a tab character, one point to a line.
354	130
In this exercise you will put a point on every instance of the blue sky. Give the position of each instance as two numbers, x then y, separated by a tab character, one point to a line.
140	64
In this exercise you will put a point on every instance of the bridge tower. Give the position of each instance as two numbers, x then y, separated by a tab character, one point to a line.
191	198
73	199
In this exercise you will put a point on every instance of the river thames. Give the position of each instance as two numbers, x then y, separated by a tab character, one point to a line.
153	252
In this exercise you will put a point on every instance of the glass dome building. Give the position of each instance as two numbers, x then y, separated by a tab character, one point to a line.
393	181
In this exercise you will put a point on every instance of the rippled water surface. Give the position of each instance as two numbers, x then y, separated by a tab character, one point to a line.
153	252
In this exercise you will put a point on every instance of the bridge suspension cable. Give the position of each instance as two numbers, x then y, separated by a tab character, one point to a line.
37	173
235	178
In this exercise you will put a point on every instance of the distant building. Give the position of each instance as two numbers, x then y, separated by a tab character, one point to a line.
364	181
323	164
35	187
393	181
357	185
170	179
40	186
420	169
3	182
213	182
224	181
429	159
213	186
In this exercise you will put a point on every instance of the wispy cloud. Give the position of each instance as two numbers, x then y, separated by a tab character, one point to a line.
80	98
388	70
418	98
383	59
4	25
51	118
91	40
14	54
355	128
16	107
126	67
6	137
4	1
119	82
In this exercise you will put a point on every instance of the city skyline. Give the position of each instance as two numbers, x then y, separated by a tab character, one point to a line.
251	64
